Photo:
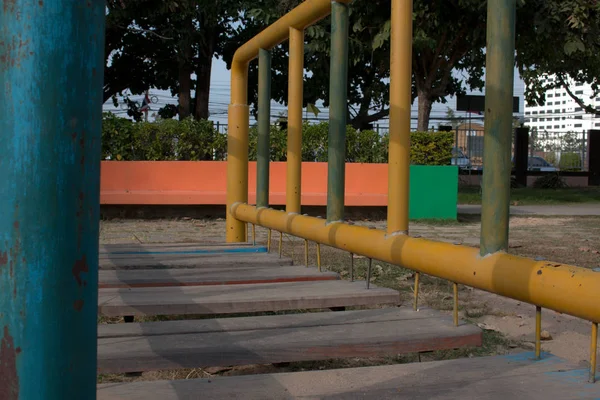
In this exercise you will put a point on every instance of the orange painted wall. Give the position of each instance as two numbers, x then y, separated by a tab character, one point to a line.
204	182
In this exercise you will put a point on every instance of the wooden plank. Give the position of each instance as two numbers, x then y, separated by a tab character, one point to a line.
121	247
193	261
224	325
211	276
282	344
133	252
491	378
228	299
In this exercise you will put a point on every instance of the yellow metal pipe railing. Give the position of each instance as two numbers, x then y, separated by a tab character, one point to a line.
299	18
563	288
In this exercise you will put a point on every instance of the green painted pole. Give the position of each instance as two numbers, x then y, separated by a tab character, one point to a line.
264	127
500	61
338	96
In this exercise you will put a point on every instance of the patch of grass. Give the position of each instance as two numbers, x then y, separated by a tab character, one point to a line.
534	196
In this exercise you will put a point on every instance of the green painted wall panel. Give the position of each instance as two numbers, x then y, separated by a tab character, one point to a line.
433	192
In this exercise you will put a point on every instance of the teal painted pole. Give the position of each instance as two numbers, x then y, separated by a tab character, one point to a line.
51	69
500	61
338	97
264	127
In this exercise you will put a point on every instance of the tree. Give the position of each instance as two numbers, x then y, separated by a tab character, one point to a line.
161	44
558	43
449	36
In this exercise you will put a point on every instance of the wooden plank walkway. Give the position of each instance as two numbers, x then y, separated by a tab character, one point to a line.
210	276
226	299
492	378
281	338
186	255
230	261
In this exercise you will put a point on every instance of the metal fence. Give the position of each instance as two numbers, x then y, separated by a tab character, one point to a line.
548	151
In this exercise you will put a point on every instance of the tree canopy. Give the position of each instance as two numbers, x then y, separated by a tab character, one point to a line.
559	38
170	45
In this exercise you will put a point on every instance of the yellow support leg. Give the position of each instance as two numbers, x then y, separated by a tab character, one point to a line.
306	253
280	244
538	332
455	308
319	256
594	352
416	302
269	241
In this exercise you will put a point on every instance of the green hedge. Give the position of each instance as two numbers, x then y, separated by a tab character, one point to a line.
570	162
191	140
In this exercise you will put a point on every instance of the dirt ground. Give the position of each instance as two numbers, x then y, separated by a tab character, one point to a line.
508	324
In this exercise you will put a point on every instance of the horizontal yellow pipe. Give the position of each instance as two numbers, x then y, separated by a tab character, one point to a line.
563	288
303	16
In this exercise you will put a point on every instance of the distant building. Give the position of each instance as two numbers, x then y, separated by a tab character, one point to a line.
561	113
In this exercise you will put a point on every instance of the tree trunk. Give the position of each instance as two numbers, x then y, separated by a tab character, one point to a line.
425	105
203	71
185	86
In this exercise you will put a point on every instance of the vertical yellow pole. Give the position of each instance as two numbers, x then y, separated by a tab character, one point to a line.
253	235
294	141
400	103
538	332
237	150
594	352
269	241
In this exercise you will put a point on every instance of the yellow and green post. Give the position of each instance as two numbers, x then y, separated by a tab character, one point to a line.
338	98
264	127
500	61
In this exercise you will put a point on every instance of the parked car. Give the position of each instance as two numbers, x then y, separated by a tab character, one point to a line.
538	164
459	159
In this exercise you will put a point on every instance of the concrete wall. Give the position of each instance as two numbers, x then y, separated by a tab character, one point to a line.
433	189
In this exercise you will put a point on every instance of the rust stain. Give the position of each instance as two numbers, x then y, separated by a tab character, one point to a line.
41	3
9	380
14	51
16	224
9	5
79	267
78	304
3	258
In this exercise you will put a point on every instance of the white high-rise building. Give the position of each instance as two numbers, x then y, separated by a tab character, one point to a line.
561	113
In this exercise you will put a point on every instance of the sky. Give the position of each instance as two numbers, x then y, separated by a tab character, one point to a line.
220	92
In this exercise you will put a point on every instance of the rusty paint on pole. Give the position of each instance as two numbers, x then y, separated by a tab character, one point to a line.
51	69
500	61
338	108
